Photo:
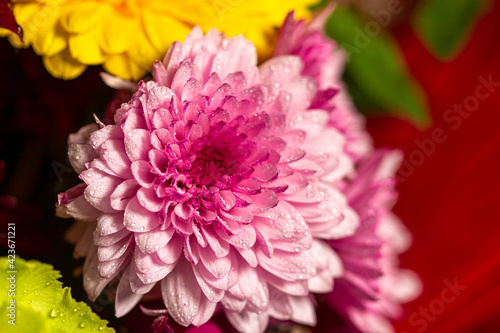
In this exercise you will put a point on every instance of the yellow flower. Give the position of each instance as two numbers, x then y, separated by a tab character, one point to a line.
127	36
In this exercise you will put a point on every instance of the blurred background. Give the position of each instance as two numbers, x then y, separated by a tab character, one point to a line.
426	74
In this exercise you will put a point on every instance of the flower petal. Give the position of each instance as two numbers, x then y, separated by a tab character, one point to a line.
181	293
138	218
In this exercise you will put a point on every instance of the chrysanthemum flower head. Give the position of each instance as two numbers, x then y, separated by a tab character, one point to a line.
218	182
127	36
324	61
372	287
371	291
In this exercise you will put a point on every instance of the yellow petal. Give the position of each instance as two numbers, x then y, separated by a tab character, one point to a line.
25	13
142	52
163	30
85	48
63	66
122	66
117	34
84	16
51	40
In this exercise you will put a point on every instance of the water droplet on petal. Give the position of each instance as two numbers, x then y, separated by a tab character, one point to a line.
54	313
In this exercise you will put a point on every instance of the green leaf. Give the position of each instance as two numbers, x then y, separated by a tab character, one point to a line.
42	305
375	72
445	24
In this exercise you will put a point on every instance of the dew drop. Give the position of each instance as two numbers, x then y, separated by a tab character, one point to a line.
83	325
54	313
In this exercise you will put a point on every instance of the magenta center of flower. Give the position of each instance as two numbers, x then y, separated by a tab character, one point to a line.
192	171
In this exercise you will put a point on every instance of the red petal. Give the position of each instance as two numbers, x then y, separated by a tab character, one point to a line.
7	19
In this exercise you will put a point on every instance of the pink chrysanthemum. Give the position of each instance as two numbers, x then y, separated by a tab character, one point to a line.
373	287
324	61
217	182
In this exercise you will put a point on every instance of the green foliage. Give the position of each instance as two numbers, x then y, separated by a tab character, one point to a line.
42	305
445	24
375	71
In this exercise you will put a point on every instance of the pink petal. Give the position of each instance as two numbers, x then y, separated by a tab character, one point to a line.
108	224
123	193
142	173
191	250
219	246
246	238
303	310
259	300
242	214
249	186
116	158
98	138
279	306
247	282
153	312
181	293
289	226
171	61
186	71
281	69
230	226
159	161
248	255
110	239
247	321
135	120
237	81
195	132
219	267
125	299
265	172
233	303
81	154
138	144
148	199
112	267
184	211
159	73
162	119
228	199
170	253
72	203
153	240
93	282
212	84
99	189
286	265
205	312
138	218
184	226
83	240
263	201
114	251
191	90
238	55
199	236
148	264
296	288
213	294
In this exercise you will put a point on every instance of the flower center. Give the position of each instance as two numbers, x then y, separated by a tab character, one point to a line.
216	160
